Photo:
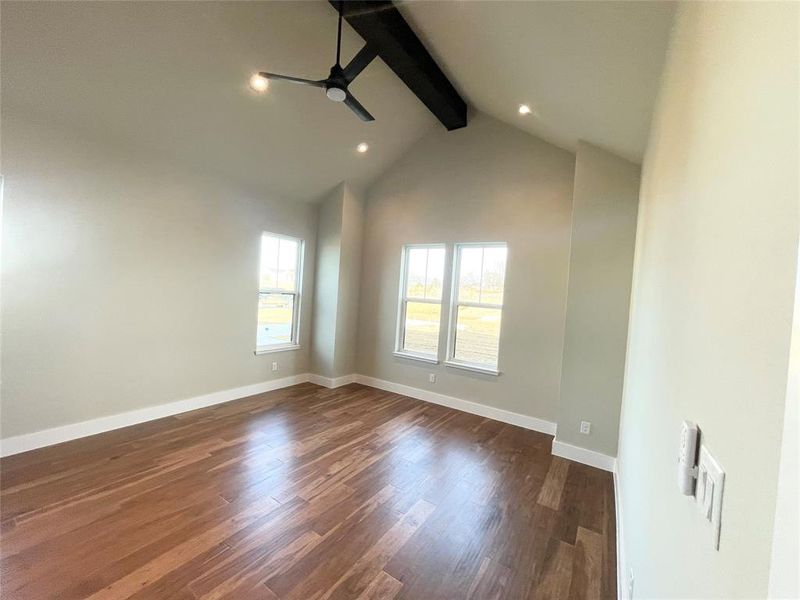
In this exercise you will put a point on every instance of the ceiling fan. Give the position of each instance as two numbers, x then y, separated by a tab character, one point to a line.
339	78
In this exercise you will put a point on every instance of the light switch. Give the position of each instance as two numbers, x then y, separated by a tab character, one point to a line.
710	484
708	499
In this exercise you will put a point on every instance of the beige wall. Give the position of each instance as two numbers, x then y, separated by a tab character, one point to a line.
487	182
349	282
711	309
604	206
326	286
339	234
127	281
784	577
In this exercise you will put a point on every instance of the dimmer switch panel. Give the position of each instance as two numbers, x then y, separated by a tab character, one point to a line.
710	485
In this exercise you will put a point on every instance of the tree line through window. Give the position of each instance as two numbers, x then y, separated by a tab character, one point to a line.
475	308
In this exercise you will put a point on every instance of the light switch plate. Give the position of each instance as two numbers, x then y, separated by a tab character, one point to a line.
710	487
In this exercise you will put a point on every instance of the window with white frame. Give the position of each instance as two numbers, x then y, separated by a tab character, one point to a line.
420	310
279	292
476	305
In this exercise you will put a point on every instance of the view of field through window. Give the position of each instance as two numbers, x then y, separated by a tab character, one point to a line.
423	293
277	297
479	303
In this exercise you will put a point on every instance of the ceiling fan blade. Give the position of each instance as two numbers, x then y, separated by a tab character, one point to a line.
293	79
356	107
359	62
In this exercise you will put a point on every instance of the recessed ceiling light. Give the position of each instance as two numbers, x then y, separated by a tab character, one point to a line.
362	147
524	109
259	83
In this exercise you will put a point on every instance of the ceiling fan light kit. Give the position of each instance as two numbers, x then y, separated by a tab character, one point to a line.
336	94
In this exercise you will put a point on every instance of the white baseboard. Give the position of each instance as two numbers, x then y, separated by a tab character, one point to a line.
582	455
490	412
65	433
622	565
331	382
56	435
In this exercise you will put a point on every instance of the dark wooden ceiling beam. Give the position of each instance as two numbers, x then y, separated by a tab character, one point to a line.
384	28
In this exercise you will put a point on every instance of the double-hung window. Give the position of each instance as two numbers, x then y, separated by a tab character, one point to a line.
475	300
279	292
476	310
420	306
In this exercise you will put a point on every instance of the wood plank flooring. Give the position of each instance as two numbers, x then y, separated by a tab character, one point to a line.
307	493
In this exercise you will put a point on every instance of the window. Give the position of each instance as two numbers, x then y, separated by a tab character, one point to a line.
279	292
476	311
475	299
420	311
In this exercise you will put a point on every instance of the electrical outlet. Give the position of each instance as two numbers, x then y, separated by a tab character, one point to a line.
586	427
274	366
630	584
432	378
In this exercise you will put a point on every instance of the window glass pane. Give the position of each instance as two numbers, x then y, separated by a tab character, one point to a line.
477	335
469	275
274	319
494	274
435	274
422	327
287	264
416	267
269	262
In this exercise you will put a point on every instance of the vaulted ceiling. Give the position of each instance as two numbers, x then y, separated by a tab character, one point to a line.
170	77
588	69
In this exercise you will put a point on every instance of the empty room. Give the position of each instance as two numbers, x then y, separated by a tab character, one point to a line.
399	299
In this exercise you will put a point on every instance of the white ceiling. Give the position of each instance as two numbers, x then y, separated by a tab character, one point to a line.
171	77
589	70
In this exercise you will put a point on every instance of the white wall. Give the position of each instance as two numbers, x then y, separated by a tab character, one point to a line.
714	281
486	182
127	281
604	207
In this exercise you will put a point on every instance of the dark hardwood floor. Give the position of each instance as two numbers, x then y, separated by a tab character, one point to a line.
307	493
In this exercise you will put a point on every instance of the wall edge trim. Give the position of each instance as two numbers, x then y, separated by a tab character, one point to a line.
584	456
65	433
331	382
475	408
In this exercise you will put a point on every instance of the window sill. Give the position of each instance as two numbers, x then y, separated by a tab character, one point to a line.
425	359
475	368
271	349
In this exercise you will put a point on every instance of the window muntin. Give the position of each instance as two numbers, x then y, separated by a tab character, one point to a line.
279	292
420	310
477	305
